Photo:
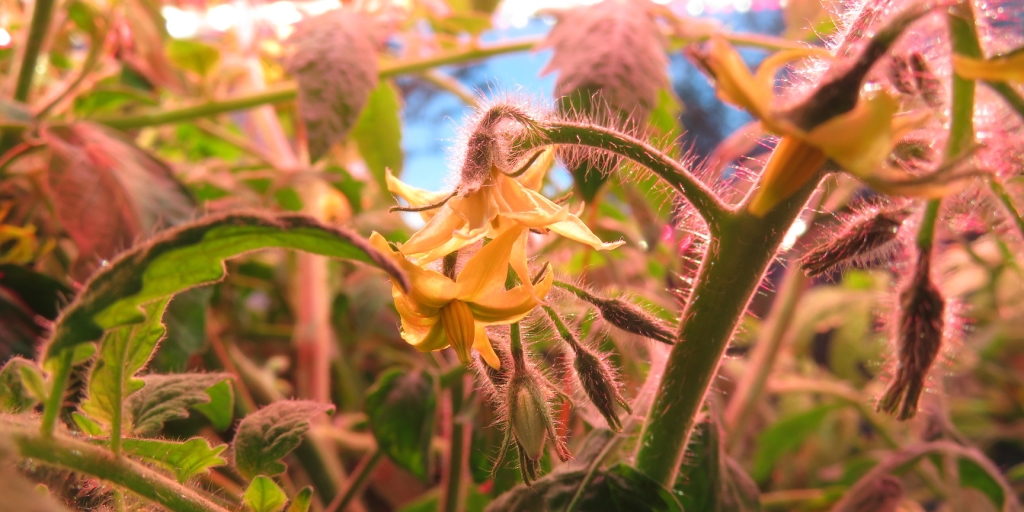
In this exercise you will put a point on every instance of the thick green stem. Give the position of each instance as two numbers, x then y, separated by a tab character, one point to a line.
703	198
42	13
80	456
734	264
357	482
54	402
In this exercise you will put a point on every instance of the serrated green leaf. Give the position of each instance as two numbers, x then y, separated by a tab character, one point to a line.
189	256
267	435
263	495
378	132
220	410
194	56
335	64
123	352
169	397
401	410
975	476
302	500
185	459
15	396
33	381
786	435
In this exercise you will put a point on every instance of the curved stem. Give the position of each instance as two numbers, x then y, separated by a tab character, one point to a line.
42	13
452	499
707	203
51	409
83	457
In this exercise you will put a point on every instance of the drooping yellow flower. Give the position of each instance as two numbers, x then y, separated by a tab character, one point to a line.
1004	68
487	210
438	312
859	140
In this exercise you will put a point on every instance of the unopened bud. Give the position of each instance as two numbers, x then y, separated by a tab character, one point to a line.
860	241
920	339
630	318
599	384
529	420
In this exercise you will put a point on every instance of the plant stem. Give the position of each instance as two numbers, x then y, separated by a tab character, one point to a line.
1010	96
762	360
288	91
56	399
83	457
703	198
458	451
360	475
1004	197
42	13
735	261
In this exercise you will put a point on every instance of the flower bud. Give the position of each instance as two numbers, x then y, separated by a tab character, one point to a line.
861	240
630	318
600	385
529	422
920	338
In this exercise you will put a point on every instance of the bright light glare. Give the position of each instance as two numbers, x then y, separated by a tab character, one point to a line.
742	5
695	7
222	17
180	24
799	227
5	37
281	13
320	6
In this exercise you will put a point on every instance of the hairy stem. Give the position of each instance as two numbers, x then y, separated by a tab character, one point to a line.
357	483
735	261
707	203
51	409
80	456
452	498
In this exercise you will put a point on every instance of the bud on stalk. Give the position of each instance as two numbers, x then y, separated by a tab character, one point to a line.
624	315
861	240
920	338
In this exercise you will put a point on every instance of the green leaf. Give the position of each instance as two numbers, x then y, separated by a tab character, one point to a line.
189	256
169	397
123	352
699	484
633	490
87	425
186	459
378	132
335	63
267	435
185	319
350	187
786	435
194	56
401	409
288	199
15	395
302	500
975	476
220	410
263	495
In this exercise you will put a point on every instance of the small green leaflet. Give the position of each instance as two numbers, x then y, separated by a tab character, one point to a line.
263	495
191	255
16	393
302	500
169	397
220	410
401	410
186	459
267	435
123	352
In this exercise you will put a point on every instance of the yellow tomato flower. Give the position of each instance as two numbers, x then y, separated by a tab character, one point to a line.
859	140
1005	68
465	219
438	312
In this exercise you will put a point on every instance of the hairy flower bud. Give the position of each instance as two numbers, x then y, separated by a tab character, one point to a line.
861	240
600	386
920	338
529	423
624	315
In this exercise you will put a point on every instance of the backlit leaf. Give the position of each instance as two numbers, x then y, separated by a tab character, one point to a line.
335	63
378	132
189	256
263	495
973	475
267	435
194	56
401	410
301	501
15	396
185	459
169	397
